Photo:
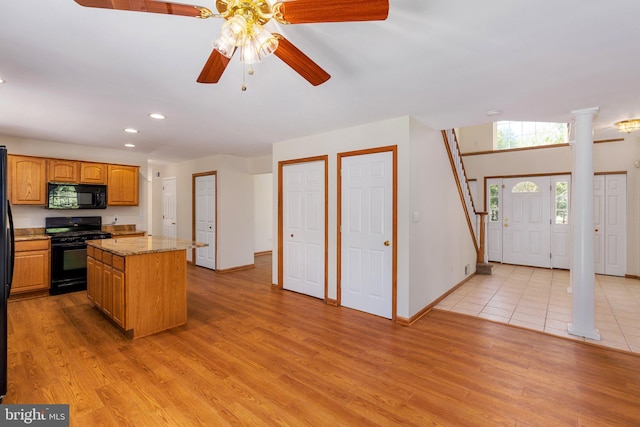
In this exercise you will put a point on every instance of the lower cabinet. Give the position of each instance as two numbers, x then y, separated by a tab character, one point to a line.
105	283
32	270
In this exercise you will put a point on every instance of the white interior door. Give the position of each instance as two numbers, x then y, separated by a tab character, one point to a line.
367	232
526	221
304	228
169	219
206	220
610	218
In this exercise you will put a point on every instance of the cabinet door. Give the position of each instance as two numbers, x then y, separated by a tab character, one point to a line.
28	180
97	288
93	173
31	271
107	286
118	298
63	170
91	281
122	185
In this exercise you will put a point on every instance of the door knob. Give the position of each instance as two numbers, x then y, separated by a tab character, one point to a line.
596	230
387	243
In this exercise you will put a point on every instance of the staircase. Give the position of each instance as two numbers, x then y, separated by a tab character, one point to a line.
475	220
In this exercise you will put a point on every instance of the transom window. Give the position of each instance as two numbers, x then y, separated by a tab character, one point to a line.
525	187
529	134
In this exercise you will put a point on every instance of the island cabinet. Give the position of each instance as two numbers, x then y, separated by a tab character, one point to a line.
27	180
139	283
122	185
32	269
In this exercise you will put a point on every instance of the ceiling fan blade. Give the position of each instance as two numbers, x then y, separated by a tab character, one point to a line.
300	62
309	11
213	69
149	6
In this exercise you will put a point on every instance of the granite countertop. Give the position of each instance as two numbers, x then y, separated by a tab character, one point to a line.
143	245
25	234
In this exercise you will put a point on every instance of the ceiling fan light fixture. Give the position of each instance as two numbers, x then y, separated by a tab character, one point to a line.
628	126
236	30
249	54
224	46
265	42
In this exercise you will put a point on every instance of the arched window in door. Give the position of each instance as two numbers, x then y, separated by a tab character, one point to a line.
526	187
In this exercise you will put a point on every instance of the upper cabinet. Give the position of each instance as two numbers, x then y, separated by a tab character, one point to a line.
28	180
122	185
63	170
28	177
93	173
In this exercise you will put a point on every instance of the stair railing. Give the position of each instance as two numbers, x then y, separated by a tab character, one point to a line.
475	220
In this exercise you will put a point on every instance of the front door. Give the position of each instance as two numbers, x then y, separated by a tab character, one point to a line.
526	221
205	192
303	223
366	218
169	219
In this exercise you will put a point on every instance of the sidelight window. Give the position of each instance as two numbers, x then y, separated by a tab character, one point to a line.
494	203
562	202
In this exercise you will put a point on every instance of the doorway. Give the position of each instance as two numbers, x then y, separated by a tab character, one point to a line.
367	232
169	215
204	188
529	217
302	223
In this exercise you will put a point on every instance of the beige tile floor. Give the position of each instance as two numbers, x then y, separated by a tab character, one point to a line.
537	298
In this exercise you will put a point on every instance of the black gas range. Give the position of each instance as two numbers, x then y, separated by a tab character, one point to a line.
69	250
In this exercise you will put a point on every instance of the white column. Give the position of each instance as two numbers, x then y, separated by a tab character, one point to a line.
582	268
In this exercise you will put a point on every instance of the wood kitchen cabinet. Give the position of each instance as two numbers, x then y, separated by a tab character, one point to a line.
63	170
93	173
27	180
32	271
122	185
105	283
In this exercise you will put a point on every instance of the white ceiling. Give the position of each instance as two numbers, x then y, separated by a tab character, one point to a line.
81	75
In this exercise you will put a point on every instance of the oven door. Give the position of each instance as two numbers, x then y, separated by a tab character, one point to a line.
68	267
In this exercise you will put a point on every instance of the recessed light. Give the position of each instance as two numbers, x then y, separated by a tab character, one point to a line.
494	112
157	116
131	130
2	81
130	145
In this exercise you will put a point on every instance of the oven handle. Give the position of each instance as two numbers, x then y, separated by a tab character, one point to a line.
69	245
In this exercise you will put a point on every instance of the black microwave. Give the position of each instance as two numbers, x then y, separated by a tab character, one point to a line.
77	196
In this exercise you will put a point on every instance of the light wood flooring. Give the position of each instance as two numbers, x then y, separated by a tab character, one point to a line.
254	355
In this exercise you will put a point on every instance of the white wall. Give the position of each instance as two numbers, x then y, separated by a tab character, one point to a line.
234	199
263	214
607	157
440	240
33	216
420	159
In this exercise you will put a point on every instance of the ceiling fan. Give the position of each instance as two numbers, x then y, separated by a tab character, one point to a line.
243	29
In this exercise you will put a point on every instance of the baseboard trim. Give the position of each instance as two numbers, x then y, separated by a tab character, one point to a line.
632	276
413	319
262	253
333	302
238	268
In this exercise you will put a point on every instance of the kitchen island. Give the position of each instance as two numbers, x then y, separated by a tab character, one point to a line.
140	283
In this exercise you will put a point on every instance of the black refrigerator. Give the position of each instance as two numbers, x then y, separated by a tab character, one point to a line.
7	249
